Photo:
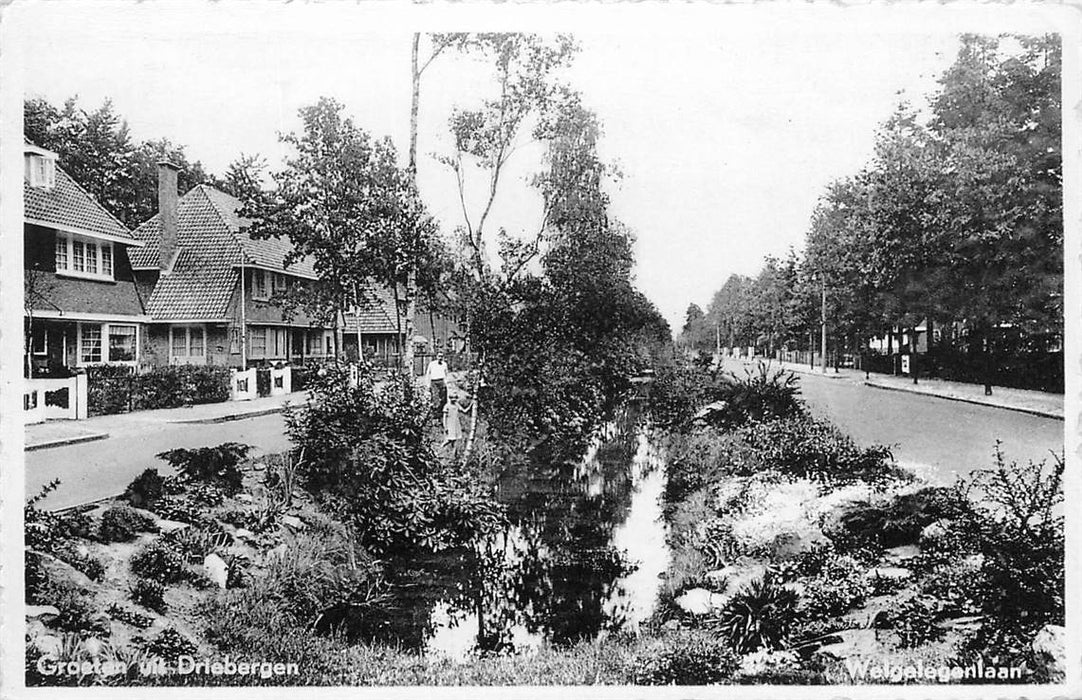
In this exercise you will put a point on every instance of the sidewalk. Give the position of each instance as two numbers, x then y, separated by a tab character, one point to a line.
58	433
1037	403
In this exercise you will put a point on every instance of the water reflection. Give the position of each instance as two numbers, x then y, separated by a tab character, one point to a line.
581	557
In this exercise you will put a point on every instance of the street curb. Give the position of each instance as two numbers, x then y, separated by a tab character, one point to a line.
230	418
975	402
49	444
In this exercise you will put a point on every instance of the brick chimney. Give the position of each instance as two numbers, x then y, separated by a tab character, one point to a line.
167	213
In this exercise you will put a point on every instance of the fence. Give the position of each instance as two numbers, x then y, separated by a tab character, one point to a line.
48	399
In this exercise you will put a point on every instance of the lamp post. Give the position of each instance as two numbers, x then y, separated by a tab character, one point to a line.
823	325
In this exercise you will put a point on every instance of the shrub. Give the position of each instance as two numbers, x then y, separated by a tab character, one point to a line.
181	509
194	544
169	645
685	661
368	457
77	614
160	562
1021	538
129	617
36	578
122	524
48	532
109	389
759	616
676	393
214	465
757	396
838	587
145	489
181	385
913	618
92	567
149	594
896	521
958	586
804	447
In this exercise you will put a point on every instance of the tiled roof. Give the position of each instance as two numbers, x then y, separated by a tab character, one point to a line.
205	201
67	205
211	244
376	313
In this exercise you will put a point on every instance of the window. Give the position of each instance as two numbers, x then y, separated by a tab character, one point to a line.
61	253
122	343
257	337
39	341
92	259
328	341
90	344
84	257
315	343
259	285
234	341
279	342
41	171
187	343
278	283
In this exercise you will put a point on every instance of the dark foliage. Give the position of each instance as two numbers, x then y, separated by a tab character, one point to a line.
762	615
169	645
914	619
145	489
897	521
122	524
218	465
159	561
114	389
129	617
149	594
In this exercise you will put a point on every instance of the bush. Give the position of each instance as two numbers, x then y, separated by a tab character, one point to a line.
181	385
169	645
368	457
217	465
145	489
756	397
122	524
77	613
839	587
895	521
129	617
109	389
36	579
760	616
181	509
804	447
158	561
913	618
685	661
149	594
48	532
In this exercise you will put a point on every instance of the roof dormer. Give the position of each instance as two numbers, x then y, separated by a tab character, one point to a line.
40	167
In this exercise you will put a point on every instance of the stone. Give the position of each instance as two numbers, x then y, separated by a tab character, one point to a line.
245	498
709	409
216	569
50	645
1050	641
852	642
700	601
894	573
790	545
62	571
903	553
671	625
45	612
93	646
294	522
935	531
736	576
244	534
171	525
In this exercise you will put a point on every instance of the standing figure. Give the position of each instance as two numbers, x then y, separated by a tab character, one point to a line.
452	423
437	381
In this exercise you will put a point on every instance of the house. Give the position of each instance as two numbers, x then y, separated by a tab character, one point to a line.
375	328
82	303
211	289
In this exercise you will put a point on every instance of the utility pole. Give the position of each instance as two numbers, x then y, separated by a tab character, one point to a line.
823	325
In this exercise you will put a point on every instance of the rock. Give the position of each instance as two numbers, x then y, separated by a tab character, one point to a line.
171	525
935	531
790	545
294	522
853	642
245	498
736	576
1050	641
709	409
671	625
700	601
894	573
216	569
62	571
43	612
795	586
50	645
902	553
93	646
243	534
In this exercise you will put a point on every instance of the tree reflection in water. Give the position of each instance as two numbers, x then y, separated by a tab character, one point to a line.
554	574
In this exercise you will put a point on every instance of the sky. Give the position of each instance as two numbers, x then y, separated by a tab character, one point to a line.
726	132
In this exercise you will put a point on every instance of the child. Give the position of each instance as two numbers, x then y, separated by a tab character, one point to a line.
452	425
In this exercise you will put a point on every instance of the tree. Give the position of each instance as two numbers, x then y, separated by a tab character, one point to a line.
343	200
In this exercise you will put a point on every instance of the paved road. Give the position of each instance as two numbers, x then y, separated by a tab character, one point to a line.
940	438
93	470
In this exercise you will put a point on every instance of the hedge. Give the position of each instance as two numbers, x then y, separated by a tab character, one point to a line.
113	389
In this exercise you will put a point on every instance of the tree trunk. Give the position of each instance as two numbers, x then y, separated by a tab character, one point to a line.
411	274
